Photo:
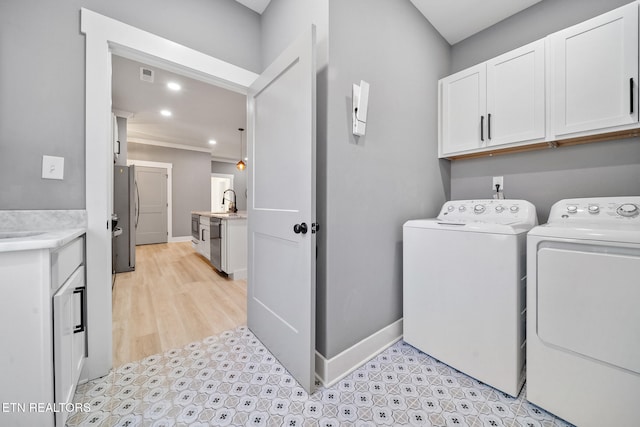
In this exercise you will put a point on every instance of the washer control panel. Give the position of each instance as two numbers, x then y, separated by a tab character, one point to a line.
499	211
598	209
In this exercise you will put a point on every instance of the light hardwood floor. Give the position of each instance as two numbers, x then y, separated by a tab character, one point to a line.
174	297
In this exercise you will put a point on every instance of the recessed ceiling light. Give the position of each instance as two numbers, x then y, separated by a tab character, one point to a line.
212	142
174	86
165	113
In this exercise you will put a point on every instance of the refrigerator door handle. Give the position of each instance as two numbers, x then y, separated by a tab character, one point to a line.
137	204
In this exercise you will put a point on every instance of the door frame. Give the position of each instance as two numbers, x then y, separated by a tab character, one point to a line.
169	168
104	36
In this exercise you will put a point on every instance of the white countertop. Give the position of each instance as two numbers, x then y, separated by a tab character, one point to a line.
37	239
222	215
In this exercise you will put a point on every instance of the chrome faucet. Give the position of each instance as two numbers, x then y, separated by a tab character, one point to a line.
232	203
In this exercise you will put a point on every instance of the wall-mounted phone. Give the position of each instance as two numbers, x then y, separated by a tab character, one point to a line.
360	99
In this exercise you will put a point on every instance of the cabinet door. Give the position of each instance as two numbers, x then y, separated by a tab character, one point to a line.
595	72
515	96
68	345
206	243
464	104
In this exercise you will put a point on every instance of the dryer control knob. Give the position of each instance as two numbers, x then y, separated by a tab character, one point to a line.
514	208
478	209
572	209
499	208
462	209
628	210
594	209
451	208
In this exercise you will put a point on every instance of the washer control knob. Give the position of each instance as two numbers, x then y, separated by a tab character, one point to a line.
628	210
462	209
514	208
451	208
478	209
499	208
572	209
594	209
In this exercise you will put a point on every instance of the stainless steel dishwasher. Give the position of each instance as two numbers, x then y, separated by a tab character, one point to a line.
216	243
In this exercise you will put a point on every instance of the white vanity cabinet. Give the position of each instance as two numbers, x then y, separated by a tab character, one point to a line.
594	73
42	324
498	102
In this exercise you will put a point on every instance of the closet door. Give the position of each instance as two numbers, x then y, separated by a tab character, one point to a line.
595	72
515	96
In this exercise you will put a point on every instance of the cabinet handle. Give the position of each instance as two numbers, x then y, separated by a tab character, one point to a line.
202	234
481	128
81	326
631	95
489	126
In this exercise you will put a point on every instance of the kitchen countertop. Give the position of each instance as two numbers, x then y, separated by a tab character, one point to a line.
222	215
37	239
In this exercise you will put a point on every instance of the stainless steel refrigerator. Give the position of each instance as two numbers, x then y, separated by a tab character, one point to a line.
125	206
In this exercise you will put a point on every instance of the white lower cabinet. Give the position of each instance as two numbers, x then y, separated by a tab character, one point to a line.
233	233
204	247
42	319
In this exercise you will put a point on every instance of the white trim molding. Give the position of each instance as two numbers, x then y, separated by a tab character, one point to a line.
330	371
180	239
167	145
104	36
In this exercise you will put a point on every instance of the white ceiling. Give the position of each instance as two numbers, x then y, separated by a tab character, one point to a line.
255	5
458	19
200	111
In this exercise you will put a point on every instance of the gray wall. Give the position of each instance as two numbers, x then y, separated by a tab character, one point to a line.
42	80
379	181
191	178
239	181
544	177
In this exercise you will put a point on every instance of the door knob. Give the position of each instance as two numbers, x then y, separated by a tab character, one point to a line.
300	228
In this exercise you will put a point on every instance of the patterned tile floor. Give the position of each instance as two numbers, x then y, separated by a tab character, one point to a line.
232	380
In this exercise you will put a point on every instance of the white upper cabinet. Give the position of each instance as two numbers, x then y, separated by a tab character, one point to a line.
594	72
501	101
515	96
463	110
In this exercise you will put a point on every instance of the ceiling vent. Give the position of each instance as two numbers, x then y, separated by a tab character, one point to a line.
146	74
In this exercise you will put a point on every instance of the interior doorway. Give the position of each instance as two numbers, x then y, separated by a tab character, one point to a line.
105	36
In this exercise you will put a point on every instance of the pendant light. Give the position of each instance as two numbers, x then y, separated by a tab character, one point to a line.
241	165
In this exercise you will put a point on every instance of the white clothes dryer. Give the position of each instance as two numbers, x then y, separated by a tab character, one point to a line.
583	316
464	288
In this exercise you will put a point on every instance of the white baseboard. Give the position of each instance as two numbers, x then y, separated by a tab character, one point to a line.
330	371
180	239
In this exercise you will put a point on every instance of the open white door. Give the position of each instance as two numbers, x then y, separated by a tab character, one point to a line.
282	180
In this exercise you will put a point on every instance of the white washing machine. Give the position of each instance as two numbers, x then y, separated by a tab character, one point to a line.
583	318
464	288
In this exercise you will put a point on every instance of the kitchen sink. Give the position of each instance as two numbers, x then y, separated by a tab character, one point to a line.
19	234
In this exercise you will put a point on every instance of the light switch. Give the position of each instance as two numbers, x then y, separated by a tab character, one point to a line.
52	167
